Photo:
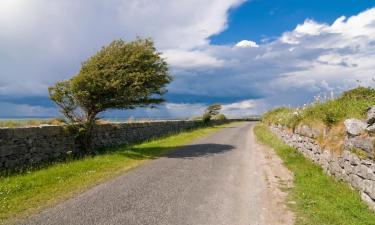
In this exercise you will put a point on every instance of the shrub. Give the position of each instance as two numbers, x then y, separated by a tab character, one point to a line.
206	118
220	116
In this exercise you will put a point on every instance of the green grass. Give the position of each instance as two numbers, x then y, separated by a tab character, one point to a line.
319	199
27	193
351	104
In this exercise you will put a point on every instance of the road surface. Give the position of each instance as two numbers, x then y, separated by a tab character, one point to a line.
223	179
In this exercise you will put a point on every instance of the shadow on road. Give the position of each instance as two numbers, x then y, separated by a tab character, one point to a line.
199	150
187	151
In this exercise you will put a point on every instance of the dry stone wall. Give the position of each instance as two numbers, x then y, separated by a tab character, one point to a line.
24	147
358	171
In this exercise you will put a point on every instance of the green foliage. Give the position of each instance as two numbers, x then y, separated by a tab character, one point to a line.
206	118
351	104
360	93
283	116
211	111
122	75
319	199
220	116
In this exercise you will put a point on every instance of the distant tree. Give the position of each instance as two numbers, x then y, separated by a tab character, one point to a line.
211	111
122	75
220	116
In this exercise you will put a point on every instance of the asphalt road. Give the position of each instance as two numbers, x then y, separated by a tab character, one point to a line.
217	180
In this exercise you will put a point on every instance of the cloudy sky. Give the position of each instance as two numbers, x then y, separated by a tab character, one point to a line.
248	55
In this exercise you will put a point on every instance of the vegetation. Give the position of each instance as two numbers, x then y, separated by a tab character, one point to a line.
26	193
351	104
210	112
122	75
13	123
319	199
220	116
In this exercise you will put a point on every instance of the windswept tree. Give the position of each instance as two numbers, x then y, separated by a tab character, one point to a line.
211	111
122	75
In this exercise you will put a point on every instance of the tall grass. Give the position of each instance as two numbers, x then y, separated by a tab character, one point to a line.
351	104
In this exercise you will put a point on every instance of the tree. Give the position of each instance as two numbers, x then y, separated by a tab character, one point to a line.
220	116
211	110
122	75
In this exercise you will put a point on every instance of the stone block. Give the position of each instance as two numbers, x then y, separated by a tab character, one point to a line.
354	127
357	182
371	115
370	202
307	131
363	143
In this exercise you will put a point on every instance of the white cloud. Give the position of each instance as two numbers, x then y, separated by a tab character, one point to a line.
43	41
247	44
191	59
312	59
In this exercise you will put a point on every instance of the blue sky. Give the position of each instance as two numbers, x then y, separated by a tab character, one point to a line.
248	55
264	20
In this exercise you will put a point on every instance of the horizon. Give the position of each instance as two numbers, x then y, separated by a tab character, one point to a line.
250	56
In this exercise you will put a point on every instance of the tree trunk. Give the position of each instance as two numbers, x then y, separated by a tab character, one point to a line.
89	129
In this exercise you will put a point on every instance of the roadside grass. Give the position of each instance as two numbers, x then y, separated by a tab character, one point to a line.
24	194
319	199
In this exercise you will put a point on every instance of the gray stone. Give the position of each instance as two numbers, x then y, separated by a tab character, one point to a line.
354	127
307	131
349	169
362	171
356	182
335	168
371	115
346	155
364	143
371	128
354	160
370	202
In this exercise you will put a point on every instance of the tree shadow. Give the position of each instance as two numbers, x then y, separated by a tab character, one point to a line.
186	151
199	150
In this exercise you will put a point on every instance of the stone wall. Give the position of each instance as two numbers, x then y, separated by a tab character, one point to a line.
25	147
348	166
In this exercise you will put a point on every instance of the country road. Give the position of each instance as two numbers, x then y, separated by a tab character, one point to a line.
223	179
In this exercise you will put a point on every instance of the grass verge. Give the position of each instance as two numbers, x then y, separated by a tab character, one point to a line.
319	199
27	193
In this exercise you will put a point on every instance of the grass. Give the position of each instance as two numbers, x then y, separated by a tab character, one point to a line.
29	123
23	194
351	104
319	199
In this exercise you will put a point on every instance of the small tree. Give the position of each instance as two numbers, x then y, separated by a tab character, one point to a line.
122	75
211	110
220	116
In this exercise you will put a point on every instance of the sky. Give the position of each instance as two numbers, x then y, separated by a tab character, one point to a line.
249	55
